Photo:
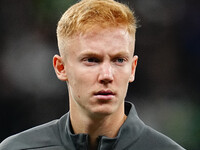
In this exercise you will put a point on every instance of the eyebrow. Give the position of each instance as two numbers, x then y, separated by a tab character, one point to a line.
89	54
121	54
94	54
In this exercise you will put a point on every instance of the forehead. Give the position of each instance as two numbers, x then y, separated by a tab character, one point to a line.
102	39
106	35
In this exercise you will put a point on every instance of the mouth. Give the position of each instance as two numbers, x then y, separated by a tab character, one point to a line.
104	95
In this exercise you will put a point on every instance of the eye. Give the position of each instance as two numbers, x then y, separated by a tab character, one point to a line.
90	61
120	60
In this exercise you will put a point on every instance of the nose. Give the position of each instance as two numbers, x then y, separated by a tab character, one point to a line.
106	73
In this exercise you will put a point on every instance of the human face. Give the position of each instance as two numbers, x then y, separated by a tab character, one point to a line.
99	66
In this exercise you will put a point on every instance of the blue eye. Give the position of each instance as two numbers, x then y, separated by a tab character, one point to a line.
120	60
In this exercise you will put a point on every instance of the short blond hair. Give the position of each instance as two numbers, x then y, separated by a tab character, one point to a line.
84	15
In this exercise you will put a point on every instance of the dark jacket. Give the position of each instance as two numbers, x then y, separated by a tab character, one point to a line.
58	135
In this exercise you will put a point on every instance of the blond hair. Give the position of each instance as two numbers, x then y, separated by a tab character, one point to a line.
84	15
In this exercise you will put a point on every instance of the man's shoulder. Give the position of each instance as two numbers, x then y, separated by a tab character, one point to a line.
142	136
156	140
146	138
46	135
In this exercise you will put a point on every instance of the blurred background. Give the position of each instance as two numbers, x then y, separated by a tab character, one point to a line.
167	85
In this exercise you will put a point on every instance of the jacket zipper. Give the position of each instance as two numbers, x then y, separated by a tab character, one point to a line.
99	143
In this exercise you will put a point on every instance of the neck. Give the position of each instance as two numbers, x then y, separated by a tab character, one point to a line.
107	125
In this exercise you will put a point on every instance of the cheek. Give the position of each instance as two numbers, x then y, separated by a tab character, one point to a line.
80	80
75	87
123	75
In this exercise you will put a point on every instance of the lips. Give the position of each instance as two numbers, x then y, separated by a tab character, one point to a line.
104	92
104	95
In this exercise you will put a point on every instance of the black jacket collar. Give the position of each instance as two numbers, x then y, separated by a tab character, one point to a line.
128	133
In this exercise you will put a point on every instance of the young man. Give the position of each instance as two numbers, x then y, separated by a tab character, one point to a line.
96	41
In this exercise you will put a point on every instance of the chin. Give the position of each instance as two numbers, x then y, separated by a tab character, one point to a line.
103	110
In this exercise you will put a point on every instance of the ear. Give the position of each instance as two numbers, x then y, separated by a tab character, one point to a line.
134	65
59	68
